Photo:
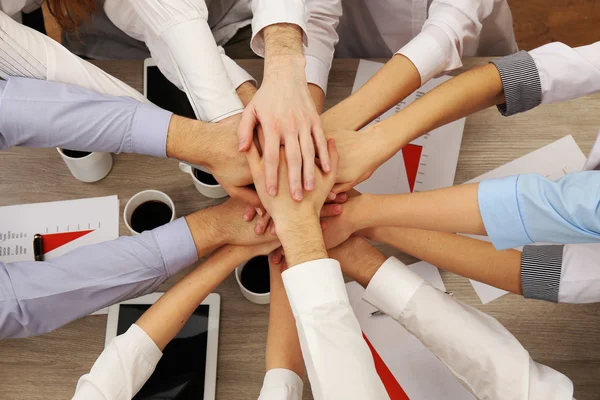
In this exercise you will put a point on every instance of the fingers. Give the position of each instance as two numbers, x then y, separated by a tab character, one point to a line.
308	159
342	187
271	161
248	196
331	210
294	166
322	147
261	224
246	128
249	213
341	198
334	156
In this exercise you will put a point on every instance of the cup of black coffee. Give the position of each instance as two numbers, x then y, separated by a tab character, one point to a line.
86	166
204	182
148	210
254	280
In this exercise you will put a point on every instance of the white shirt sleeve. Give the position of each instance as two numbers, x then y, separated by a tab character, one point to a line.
27	53
269	12
580	274
322	38
122	368
486	358
451	25
338	361
281	384
182	44
567	73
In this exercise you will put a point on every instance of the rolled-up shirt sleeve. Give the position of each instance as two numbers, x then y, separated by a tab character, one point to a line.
520	83
524	209
281	384
338	361
476	348
440	44
180	29
270	12
76	118
37	297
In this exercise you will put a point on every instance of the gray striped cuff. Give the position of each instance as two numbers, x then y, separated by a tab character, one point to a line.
521	83
540	272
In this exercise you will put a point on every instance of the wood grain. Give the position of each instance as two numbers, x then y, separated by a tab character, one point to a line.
47	367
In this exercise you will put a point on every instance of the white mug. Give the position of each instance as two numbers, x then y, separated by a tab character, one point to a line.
139	199
211	191
90	168
256	298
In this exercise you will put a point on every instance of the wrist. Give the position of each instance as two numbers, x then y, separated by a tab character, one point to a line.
205	230
302	240
192	141
283	40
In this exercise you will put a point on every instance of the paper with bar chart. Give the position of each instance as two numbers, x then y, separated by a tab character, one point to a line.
407	368
426	163
64	226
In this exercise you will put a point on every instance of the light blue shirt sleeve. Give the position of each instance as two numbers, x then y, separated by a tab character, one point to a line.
38	297
524	209
39	113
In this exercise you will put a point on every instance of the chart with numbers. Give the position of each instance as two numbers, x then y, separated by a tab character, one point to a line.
427	163
64	226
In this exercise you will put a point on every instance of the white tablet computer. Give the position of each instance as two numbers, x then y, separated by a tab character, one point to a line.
188	367
160	91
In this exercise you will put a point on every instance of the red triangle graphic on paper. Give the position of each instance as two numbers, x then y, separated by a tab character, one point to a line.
53	241
412	158
392	386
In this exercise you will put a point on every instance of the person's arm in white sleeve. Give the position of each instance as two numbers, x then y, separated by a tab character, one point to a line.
129	360
338	361
179	31
30	54
487	359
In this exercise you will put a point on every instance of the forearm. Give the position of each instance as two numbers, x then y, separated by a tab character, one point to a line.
459	97
359	260
471	258
246	92
454	209
393	82
90	278
301	238
283	345
170	313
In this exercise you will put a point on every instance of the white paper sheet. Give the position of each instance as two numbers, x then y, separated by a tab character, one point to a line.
419	372
438	149
19	223
553	162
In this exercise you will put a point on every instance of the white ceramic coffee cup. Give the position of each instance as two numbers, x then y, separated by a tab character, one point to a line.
211	191
256	298
90	168
139	199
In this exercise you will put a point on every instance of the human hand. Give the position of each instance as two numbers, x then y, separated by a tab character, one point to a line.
361	153
284	108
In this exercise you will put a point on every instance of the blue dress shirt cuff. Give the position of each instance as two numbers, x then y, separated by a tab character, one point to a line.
176	245
149	130
500	212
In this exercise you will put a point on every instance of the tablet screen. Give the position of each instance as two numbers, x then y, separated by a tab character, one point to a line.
160	91
180	372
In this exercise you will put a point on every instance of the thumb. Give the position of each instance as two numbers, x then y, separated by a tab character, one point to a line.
246	128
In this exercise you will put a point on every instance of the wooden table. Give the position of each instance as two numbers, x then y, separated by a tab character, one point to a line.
564	337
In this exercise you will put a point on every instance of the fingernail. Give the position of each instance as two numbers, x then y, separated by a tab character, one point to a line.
273	229
327	167
298	195
258	229
337	208
331	196
241	144
247	217
259	211
272	191
310	185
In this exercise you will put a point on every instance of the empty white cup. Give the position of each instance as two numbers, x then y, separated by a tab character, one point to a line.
90	168
139	199
211	191
256	298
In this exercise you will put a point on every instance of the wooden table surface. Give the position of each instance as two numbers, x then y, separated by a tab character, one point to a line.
564	337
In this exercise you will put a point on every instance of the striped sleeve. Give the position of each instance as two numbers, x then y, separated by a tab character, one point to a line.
541	268
520	81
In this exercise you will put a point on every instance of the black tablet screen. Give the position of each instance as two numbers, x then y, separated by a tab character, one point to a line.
180	373
164	94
